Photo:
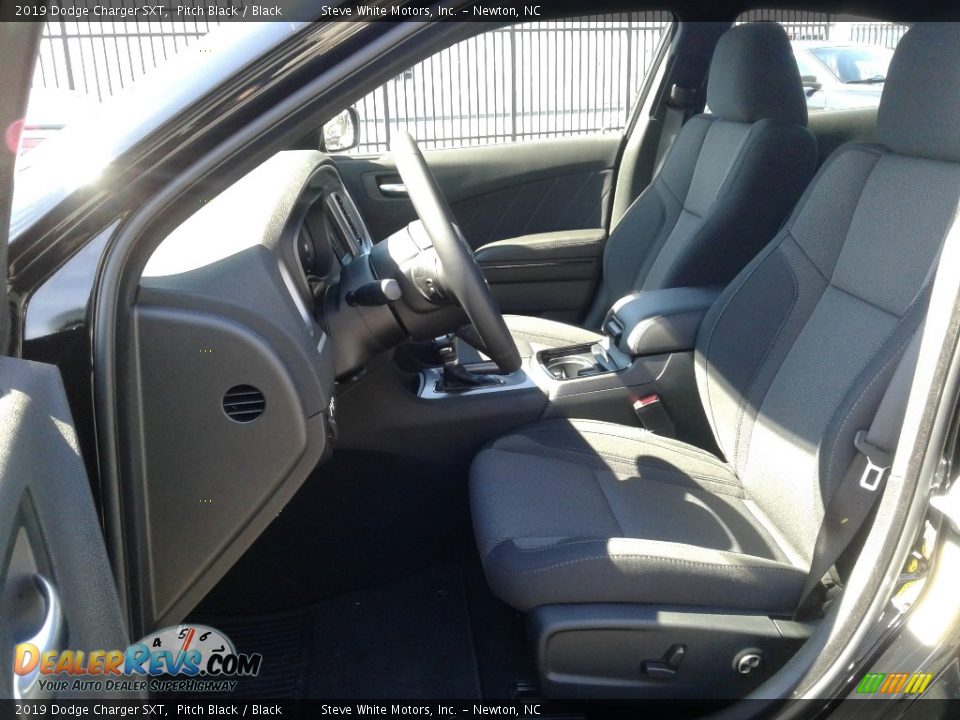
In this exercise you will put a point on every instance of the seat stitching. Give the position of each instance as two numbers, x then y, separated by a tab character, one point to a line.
737	452
658	235
680	448
639	556
760	260
809	259
596	428
555	546
723	487
693	456
632	462
734	291
710	121
603	493
718	487
856	377
846	419
865	301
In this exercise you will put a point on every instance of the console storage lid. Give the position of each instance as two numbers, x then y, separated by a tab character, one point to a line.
652	322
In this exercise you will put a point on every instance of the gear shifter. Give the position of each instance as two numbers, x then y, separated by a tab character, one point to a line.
455	377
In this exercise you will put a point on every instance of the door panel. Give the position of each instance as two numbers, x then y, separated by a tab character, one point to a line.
497	191
551	274
54	571
512	194
56	586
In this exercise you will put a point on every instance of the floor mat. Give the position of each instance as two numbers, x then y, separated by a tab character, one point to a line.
410	639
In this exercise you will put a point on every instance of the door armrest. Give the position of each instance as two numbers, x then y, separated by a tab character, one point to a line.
549	247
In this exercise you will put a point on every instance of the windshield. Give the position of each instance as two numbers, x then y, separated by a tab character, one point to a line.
855	64
84	142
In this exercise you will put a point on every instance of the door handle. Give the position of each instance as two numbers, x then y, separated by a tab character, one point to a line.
392	189
48	637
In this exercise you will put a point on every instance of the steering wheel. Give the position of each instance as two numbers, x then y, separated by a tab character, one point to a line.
461	273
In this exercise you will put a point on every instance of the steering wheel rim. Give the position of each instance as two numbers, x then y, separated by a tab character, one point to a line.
461	274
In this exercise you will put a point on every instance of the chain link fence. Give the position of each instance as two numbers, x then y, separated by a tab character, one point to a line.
529	81
99	59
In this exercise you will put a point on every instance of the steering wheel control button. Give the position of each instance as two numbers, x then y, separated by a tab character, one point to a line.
747	661
425	277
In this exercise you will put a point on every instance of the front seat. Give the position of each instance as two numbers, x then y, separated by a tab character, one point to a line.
792	360
726	185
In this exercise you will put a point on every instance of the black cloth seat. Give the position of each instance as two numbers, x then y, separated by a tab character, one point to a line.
576	511
791	361
726	185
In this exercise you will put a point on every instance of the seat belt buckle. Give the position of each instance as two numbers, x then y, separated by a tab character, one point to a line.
653	416
878	461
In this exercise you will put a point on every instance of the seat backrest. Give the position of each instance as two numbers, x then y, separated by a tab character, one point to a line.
728	181
793	358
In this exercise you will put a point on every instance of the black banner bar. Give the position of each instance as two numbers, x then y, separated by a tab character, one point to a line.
199	707
273	10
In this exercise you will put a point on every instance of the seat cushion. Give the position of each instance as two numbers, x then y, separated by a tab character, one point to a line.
579	511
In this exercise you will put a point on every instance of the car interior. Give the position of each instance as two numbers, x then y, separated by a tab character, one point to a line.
562	418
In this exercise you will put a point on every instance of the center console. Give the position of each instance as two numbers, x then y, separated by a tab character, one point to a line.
579	361
641	366
640	371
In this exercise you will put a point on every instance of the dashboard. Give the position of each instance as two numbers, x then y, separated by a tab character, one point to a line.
332	231
225	321
245	318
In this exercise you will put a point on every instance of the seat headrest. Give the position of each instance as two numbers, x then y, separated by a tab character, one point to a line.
919	112
753	75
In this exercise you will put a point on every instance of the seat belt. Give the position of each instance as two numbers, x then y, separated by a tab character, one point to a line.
680	100
863	483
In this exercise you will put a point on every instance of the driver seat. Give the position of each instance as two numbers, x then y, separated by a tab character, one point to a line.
726	185
791	361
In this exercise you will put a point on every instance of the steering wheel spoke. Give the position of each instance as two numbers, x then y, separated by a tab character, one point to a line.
461	274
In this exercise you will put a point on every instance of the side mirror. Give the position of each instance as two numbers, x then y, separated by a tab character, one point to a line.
342	132
810	84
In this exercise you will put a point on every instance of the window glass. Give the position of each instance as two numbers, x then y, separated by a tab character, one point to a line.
848	56
855	64
523	82
808	66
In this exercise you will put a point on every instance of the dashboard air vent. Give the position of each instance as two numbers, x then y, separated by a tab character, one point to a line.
243	403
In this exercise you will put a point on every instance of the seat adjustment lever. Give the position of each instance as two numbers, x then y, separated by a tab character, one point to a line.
666	666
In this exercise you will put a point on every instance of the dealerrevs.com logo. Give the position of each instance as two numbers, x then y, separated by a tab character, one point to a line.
894	683
184	658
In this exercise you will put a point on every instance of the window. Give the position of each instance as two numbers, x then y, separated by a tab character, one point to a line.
855	64
843	62
808	67
523	82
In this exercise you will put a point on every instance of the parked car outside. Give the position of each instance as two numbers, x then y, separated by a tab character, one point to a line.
841	76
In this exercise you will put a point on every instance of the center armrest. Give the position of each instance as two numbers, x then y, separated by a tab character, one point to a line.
653	322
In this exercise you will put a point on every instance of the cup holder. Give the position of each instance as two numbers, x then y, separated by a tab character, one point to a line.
565	368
